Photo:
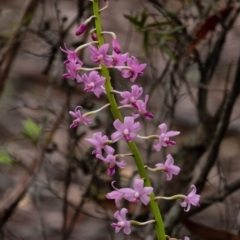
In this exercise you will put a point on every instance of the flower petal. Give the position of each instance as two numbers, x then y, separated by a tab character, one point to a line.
163	127
118	125
116	135
138	185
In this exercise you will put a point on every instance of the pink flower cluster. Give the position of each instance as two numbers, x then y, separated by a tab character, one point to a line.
72	64
138	104
93	82
126	129
100	144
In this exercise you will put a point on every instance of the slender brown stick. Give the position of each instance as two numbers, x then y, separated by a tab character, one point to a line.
10	50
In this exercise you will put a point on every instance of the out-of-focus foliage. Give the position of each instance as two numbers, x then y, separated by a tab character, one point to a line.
5	157
155	32
31	130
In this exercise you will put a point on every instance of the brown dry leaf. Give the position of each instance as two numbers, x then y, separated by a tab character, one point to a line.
208	233
209	25
25	202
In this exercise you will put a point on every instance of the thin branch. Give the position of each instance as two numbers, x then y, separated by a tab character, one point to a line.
10	50
221	129
41	217
175	213
215	197
210	66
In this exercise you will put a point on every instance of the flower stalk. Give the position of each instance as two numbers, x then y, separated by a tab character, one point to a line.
174	197
85	45
160	231
96	111
141	223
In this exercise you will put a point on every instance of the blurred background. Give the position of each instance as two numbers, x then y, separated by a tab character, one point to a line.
51	186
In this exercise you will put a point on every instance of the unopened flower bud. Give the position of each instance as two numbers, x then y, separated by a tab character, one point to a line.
81	29
116	46
94	36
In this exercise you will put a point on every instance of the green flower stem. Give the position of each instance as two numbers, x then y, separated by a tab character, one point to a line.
106	6
124	155
174	197
88	69
141	223
117	115
96	111
125	106
110	33
148	137
154	169
85	45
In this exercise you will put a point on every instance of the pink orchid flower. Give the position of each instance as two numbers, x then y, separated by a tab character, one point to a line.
94	83
141	106
112	162
131	195
119	59
164	137
99	142
191	199
138	192
71	55
169	168
72	67
131	97
127	129
79	118
100	55
135	71
122	222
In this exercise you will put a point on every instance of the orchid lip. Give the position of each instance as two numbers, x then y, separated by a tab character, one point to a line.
172	143
120	224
